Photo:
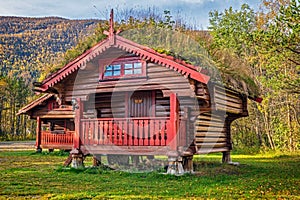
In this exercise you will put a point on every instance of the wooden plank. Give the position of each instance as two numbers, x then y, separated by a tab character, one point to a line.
209	140
208	129
210	150
229	104
209	123
210	134
211	145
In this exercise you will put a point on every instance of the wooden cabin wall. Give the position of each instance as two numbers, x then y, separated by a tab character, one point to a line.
102	103
158	77
211	134
228	100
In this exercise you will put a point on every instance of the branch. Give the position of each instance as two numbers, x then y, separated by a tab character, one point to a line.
293	50
295	62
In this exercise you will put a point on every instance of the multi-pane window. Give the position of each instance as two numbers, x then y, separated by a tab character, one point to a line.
124	67
112	70
133	68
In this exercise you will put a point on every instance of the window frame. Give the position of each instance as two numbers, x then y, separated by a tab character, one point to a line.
122	62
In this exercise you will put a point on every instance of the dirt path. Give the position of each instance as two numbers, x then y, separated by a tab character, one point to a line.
17	145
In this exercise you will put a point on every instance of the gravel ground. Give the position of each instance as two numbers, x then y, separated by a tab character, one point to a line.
17	145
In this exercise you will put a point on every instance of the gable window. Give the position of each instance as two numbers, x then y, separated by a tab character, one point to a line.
123	68
112	70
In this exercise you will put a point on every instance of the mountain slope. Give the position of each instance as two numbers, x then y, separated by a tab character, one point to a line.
26	44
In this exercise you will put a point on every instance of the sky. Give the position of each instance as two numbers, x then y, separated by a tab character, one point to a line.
194	12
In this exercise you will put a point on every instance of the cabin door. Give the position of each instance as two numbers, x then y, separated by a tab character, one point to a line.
140	104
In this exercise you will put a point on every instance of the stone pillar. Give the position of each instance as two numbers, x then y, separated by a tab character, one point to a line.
175	166
77	158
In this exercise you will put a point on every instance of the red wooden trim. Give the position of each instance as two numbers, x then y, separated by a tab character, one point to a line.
174	120
34	103
38	133
125	118
78	116
49	138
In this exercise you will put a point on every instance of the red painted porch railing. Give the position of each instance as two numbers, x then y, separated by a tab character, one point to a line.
49	138
125	131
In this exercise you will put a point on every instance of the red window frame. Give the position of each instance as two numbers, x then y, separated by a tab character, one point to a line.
122	68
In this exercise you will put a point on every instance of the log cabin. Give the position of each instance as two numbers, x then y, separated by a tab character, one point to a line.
123	98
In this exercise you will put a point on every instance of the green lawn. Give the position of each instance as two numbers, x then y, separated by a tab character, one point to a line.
27	175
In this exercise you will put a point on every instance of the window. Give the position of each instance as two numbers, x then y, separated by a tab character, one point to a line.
133	68
113	70
123	68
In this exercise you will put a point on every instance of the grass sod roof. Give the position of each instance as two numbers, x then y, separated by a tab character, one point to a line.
182	45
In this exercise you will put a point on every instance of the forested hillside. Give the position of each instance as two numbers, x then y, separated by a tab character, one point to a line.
28	46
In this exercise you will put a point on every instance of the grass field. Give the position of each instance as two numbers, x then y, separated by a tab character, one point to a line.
27	175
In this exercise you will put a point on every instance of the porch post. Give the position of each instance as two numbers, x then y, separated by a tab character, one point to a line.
78	116
226	158
174	120
38	135
76	154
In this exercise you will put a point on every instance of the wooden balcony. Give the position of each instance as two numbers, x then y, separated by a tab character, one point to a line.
57	140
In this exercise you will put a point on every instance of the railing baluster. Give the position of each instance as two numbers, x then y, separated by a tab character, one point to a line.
162	133
101	140
130	133
136	133
110	127
141	132
146	132
125	133
157	129
152	132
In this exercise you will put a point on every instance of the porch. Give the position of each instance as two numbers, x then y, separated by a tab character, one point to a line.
134	136
117	135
